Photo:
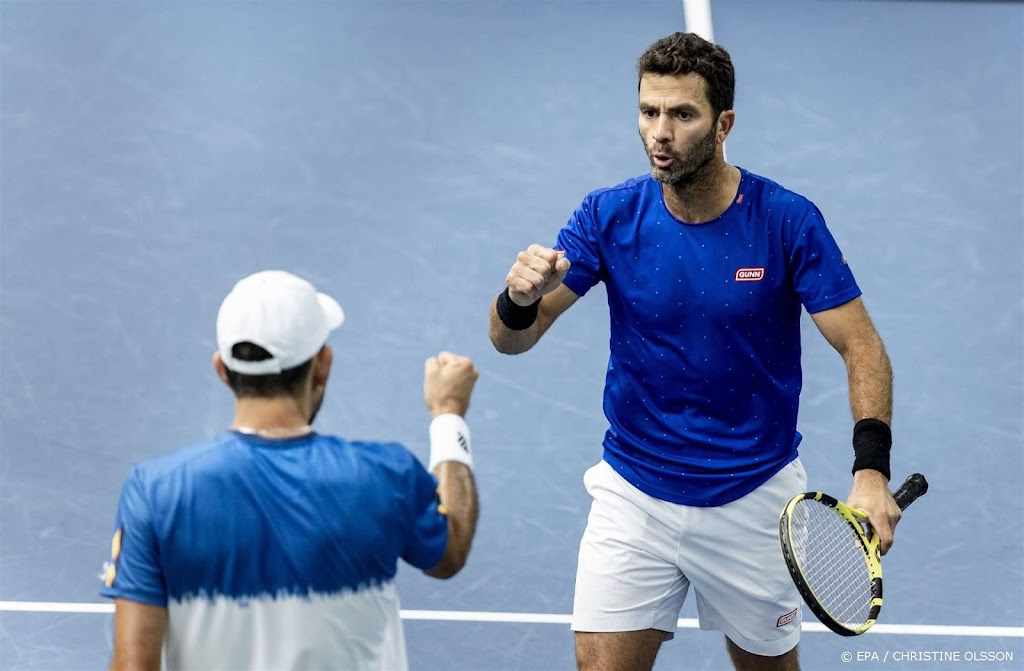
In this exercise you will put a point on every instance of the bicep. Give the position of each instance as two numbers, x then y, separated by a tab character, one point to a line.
138	635
846	326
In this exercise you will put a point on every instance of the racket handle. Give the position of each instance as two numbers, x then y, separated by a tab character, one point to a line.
914	487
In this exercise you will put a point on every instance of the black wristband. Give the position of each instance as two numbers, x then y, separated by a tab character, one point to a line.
514	316
872	442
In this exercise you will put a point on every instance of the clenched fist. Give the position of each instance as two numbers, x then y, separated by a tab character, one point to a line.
448	381
536	272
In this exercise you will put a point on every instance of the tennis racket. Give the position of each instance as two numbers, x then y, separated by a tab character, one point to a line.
835	563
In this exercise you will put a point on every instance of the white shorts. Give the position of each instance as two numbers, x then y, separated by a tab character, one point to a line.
639	555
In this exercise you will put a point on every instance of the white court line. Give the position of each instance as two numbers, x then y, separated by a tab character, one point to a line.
697	17
55	607
551	618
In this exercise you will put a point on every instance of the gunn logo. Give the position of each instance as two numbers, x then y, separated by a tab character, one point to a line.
750	274
786	619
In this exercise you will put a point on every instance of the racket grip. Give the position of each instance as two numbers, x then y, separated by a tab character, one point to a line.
913	488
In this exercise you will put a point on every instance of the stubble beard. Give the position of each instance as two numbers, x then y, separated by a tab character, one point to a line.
685	169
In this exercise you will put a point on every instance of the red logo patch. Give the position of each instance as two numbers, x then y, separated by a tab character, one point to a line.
750	274
787	618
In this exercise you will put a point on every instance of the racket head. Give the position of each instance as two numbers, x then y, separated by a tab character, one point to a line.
835	565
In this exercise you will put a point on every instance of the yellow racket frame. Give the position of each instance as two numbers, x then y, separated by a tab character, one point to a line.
913	488
868	544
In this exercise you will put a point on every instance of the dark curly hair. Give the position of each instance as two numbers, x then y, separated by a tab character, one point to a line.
683	53
286	383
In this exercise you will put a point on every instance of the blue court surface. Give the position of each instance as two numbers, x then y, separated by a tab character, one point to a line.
399	154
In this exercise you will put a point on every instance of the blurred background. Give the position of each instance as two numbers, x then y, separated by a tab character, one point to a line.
399	154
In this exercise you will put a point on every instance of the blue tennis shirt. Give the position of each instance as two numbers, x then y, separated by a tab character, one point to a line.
704	378
276	553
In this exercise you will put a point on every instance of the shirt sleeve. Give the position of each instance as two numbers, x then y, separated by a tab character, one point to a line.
821	276
134	570
428	528
579	240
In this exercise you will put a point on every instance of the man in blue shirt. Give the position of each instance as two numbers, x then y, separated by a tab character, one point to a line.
271	546
707	267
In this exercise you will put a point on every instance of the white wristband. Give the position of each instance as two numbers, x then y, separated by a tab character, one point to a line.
449	441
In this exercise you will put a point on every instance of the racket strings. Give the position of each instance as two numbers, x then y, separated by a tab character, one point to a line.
832	562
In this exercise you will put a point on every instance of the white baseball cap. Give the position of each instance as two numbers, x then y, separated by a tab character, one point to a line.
282	313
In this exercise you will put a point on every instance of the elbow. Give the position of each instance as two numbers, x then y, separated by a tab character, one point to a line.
443	573
449	566
499	345
456	554
505	347
509	342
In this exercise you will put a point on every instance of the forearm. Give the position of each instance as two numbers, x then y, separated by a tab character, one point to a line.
510	341
457	492
870	380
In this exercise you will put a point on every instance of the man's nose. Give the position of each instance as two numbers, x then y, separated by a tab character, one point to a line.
661	130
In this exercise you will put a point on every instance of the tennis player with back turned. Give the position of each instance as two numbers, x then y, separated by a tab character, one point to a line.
273	546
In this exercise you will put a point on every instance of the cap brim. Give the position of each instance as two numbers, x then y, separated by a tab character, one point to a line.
332	311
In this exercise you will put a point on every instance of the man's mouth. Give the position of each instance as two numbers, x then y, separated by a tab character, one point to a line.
661	160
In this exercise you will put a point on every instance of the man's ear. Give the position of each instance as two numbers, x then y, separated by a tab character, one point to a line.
322	366
220	369
726	122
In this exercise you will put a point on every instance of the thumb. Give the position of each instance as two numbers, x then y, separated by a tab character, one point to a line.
562	266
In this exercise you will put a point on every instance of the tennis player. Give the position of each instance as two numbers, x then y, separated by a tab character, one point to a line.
271	546
706	268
